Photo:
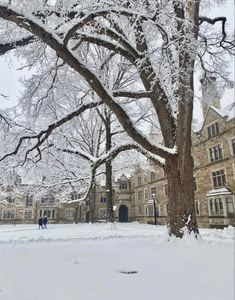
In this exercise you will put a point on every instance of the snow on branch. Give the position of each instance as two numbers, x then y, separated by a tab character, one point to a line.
92	79
98	161
43	135
17	43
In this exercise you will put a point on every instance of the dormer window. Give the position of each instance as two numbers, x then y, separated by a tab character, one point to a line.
123	185
213	130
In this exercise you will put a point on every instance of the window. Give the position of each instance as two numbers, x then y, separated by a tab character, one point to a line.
152	176
230	206
213	130
140	210
29	200
195	183
10	199
145	179
48	199
140	195
166	189
146	194
233	146
149	210
197	207
8	214
103	199
28	214
216	153
154	192
123	185
216	206
102	213
219	179
139	180
164	173
133	198
50	213
70	213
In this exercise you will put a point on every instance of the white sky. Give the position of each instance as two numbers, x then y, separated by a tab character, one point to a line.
11	86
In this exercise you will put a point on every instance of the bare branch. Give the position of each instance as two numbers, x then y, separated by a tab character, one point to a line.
130	94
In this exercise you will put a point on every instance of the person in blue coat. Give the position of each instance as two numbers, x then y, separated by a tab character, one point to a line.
40	223
45	221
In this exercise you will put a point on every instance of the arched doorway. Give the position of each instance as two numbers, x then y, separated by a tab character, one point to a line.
123	213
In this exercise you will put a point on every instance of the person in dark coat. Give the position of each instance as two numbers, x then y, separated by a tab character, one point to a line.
45	221
40	223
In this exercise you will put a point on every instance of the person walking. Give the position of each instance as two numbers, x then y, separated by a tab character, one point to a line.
45	221
40	223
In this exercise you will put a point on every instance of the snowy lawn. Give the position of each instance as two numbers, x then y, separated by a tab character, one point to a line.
100	262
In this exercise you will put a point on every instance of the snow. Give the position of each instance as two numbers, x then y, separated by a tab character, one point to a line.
221	191
120	261
228	111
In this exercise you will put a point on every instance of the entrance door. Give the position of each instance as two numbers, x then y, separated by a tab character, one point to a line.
123	213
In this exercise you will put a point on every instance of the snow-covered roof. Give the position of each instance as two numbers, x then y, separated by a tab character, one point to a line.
221	191
228	111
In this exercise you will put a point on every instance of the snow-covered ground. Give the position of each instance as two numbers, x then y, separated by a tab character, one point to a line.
104	262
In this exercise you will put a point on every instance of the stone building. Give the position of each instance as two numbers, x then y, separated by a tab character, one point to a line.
213	152
214	167
24	203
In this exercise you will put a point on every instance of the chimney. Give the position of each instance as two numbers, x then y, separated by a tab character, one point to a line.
210	94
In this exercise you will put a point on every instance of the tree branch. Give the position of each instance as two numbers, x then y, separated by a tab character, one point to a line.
43	135
88	75
18	43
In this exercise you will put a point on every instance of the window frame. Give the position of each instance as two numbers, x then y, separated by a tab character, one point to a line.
223	176
213	130
28	211
216	154
8	210
216	207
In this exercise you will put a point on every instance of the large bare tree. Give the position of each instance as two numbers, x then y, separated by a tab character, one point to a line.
160	40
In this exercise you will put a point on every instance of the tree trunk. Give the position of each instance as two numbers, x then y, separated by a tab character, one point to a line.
109	192
92	215
108	172
181	207
76	214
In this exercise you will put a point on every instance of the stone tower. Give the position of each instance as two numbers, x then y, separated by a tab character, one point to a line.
210	94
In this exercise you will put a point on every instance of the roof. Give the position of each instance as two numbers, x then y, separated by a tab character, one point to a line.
227	112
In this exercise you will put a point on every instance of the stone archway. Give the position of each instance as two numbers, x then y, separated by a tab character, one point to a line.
123	213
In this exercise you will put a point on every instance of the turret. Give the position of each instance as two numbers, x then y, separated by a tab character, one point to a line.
210	94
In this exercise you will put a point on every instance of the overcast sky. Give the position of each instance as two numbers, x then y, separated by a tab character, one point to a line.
10	76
